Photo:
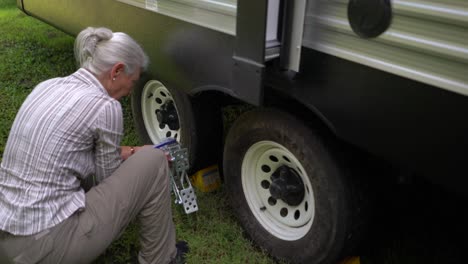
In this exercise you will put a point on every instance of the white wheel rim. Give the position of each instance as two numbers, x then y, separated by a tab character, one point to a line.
153	97
298	220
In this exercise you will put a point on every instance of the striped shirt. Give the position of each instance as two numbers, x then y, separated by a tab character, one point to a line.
66	130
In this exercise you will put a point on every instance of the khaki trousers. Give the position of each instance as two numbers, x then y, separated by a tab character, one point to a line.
139	188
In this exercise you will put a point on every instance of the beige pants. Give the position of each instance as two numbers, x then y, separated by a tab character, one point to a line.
140	187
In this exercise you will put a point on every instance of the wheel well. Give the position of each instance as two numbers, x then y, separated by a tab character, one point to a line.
280	100
321	126
218	98
231	108
272	98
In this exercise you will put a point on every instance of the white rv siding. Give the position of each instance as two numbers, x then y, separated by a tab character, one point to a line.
427	40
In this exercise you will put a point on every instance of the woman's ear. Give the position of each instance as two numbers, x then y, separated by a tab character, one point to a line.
117	69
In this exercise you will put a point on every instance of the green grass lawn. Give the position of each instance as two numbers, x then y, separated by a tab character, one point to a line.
32	51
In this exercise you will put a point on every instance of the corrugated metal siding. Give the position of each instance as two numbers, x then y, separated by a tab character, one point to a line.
219	15
427	40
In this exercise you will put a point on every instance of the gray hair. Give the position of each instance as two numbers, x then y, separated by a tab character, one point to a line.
99	49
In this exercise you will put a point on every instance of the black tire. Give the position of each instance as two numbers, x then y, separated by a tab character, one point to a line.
202	139
325	240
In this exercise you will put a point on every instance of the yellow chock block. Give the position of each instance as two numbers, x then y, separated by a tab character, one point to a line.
207	180
351	260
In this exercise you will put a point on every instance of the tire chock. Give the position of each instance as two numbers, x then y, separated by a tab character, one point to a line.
351	260
207	180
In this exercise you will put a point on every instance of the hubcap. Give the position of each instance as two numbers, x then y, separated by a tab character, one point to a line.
167	115
286	184
159	112
278	190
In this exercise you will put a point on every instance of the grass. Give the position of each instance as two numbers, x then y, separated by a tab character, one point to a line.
32	51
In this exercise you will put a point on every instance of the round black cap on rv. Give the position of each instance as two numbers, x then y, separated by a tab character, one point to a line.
369	18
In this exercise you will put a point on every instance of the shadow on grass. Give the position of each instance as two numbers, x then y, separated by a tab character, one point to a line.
418	223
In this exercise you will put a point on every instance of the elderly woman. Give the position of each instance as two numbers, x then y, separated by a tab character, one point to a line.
69	129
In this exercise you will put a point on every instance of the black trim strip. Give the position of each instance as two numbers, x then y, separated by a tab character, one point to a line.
249	50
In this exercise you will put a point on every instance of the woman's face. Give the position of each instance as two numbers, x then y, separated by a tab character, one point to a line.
129	82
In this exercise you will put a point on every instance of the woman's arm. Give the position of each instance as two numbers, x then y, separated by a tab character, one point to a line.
108	128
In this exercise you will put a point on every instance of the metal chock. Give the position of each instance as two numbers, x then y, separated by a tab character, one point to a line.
180	182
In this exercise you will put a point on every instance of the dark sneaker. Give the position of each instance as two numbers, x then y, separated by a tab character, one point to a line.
182	249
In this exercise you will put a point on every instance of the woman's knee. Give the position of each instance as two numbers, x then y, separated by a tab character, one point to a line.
154	155
155	160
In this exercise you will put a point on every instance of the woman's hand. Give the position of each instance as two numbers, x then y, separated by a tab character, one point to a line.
127	151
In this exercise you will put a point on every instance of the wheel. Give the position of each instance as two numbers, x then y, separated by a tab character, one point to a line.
160	111
286	188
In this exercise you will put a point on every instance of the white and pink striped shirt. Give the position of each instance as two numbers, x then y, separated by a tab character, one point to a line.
66	130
